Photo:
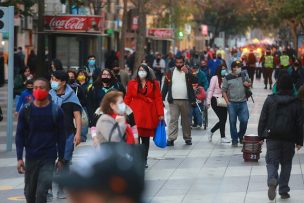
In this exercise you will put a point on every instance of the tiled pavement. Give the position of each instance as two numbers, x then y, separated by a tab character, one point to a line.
202	173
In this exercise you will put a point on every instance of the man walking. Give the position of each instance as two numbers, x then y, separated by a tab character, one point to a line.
178	86
233	88
268	65
159	66
281	124
40	131
64	96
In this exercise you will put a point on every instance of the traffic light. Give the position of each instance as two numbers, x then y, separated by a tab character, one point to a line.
180	35
4	19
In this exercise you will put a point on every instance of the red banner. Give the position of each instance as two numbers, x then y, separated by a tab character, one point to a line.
160	33
74	23
135	23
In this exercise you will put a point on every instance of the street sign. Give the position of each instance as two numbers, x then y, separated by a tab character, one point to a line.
4	19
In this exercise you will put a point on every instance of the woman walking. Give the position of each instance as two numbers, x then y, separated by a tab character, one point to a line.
144	98
217	102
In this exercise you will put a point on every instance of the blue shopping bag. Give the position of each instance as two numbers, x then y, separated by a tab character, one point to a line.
160	138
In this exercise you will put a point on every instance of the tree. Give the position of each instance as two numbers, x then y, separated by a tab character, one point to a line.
123	34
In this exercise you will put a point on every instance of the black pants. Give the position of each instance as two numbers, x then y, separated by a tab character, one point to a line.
221	113
267	74
38	179
279	153
159	77
146	142
258	73
251	71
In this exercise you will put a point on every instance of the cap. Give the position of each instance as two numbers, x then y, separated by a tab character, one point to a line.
236	63
61	75
115	169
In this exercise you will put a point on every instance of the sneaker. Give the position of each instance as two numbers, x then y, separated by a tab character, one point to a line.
210	134
225	140
234	145
285	195
265	87
194	126
170	143
272	189
146	165
49	197
61	194
241	140
188	142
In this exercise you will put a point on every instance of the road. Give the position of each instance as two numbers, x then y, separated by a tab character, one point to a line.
204	172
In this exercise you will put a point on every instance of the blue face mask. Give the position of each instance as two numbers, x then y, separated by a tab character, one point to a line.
92	62
224	73
55	85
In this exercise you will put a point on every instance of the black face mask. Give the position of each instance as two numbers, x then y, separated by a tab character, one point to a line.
72	81
106	80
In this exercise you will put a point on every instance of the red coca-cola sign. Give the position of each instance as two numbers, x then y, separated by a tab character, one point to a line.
74	23
160	33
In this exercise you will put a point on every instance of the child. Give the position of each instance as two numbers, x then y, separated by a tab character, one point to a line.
198	107
26	95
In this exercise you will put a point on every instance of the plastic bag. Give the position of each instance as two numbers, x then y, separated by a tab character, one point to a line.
160	138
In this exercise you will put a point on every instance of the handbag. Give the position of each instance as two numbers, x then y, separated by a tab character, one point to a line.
221	102
160	138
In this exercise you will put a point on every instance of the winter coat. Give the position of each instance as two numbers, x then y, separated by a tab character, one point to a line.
148	107
282	115
96	94
167	87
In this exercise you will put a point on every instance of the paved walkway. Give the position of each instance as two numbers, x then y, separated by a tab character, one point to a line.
202	173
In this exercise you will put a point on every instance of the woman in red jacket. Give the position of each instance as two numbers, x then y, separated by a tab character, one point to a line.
144	97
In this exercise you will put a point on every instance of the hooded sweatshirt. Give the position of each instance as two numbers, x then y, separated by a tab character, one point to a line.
282	116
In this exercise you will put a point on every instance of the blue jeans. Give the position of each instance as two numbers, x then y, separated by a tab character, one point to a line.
238	110
69	147
197	115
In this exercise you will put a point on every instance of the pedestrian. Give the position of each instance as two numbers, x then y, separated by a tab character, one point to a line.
77	88
159	66
145	99
55	65
26	96
20	81
178	86
114	173
105	83
284	61
251	62
268	66
296	71
233	89
201	77
204	68
40	130
64	96
197	113
213	63
92	69
32	61
121	75
83	80
215	100
281	124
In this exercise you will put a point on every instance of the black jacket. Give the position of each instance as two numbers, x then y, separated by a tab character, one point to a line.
167	87
282	115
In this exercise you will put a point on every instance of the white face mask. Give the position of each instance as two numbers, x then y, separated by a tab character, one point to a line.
142	74
122	108
238	71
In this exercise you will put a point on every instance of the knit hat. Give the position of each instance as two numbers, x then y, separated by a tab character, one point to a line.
236	63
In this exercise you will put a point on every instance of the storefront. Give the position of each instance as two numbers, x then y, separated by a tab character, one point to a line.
159	40
72	39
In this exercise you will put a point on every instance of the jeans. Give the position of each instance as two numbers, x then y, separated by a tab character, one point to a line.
197	115
38	179
238	110
279	153
146	142
69	147
267	76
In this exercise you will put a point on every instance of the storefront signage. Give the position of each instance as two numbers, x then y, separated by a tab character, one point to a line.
160	33
74	23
